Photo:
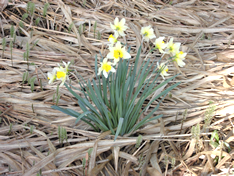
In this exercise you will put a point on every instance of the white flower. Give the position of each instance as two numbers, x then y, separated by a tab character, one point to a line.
119	26
160	44
112	39
117	52
148	33
172	48
163	69
51	76
106	67
62	73
179	57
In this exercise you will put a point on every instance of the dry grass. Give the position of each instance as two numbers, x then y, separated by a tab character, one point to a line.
205	28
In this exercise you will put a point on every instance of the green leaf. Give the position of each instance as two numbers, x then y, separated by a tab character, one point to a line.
70	27
12	31
119	127
37	21
67	111
45	9
215	135
214	144
32	80
94	28
80	29
25	15
138	142
82	115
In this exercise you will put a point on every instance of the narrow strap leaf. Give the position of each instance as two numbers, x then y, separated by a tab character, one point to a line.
119	127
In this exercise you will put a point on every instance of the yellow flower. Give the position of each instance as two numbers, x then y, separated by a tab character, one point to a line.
163	69
112	39
51	76
148	33
119	26
172	48
179	57
160	44
106	67
62	73
117	52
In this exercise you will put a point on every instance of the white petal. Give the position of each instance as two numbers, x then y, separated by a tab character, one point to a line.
105	60
109	63
161	51
162	76
151	30
122	33
161	38
54	71
112	69
116	21
163	46
124	28
116	33
56	68
110	55
99	70
63	81
118	45
152	36
112	26
122	22
112	40
126	55
64	63
166	74
50	81
171	40
180	63
183	55
105	74
49	74
177	46
116	36
116	61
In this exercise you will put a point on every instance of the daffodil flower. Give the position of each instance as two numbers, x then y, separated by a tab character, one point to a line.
113	39
62	73
118	52
148	33
160	44
51	76
163	69
179	57
106	67
172	48
119	26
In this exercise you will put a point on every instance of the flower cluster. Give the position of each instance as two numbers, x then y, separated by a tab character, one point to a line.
59	73
110	104
173	49
116	50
